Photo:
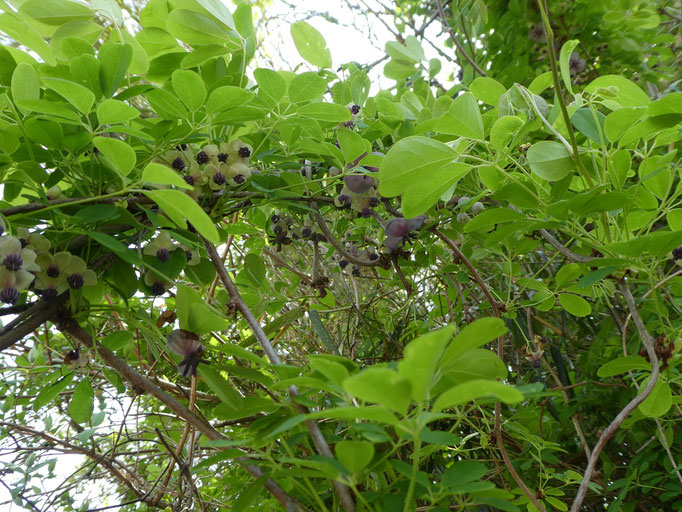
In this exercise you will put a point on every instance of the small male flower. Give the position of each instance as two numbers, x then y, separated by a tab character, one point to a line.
14	257
78	274
12	282
34	241
161	247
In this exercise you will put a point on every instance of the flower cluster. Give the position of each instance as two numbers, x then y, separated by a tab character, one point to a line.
213	165
25	260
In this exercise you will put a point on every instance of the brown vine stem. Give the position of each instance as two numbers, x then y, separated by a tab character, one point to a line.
609	431
451	33
337	245
320	442
500	353
68	325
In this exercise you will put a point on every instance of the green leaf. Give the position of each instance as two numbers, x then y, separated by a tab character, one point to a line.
659	401
474	335
112	111
306	87
166	104
311	45
195	29
487	219
620	121
20	31
190	88
179	206
550	160
195	315
420	360
564	57
623	364
117	340
115	59
354	455
119	154
504	130
46	395
462	472
80	97
674	218
248	495
219	10
574	304
474	389
25	84
219	385
119	248
271	85
380	385
584	120
325	112
409	53
373	413
352	144
487	90
399	71
463	118
55	12
477	363
226	97
628	94
162	175
82	402
422	169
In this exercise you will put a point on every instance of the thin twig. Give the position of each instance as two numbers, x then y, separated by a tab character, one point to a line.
321	445
452	35
609	431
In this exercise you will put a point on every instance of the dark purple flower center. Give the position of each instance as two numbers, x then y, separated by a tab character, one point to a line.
306	232
374	202
239	179
189	179
202	157
366	212
23	242
178	164
13	261
344	199
219	178
49	293
244	152
189	255
677	253
222	157
9	295
75	281
355	109
52	271
181	147
343	263
163	255
157	289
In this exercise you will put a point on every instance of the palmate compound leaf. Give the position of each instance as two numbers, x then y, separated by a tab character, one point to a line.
421	169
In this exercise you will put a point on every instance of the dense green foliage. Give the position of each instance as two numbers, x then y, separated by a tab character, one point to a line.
458	294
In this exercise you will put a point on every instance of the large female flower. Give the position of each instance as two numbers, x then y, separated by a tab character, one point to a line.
14	257
12	282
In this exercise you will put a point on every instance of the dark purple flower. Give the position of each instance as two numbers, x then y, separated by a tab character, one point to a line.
189	255
239	179
222	157
163	255
374	202
202	157
52	271
355	109
244	152
13	261
49	294
343	263
677	253
189	179
178	164
9	296
358	183
75	281
157	289
344	200
219	178
306	232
